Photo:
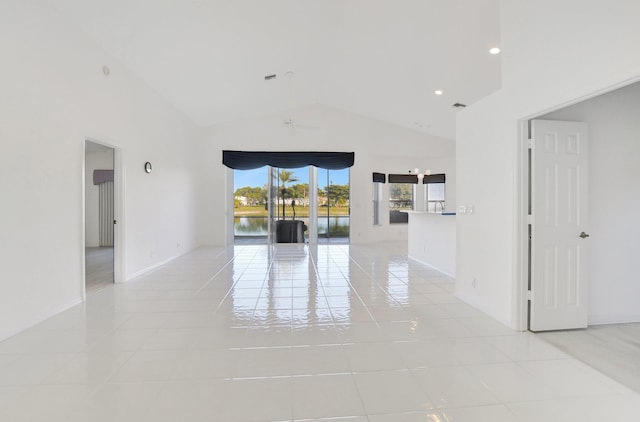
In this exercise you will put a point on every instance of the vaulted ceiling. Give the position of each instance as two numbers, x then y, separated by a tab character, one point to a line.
378	58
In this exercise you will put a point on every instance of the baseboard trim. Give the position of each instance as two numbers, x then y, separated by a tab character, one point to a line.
156	265
431	266
39	319
604	320
481	308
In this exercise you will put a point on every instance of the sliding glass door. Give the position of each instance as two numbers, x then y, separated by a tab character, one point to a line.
270	199
333	206
272	203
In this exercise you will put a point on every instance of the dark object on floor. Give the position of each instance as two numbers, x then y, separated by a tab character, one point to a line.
290	231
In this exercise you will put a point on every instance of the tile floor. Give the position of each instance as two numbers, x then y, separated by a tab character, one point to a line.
613	349
98	268
333	333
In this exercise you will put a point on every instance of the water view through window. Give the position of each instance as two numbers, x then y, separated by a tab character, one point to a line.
251	195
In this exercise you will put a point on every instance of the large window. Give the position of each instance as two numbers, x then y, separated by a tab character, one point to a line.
250	203
401	197
435	197
400	201
333	204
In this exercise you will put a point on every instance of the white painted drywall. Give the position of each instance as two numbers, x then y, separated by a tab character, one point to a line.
432	240
485	173
614	202
98	160
555	53
379	147
54	96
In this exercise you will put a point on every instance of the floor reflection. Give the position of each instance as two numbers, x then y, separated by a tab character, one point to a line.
292	285
293	333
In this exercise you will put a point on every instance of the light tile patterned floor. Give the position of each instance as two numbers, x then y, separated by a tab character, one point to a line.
335	332
98	268
613	349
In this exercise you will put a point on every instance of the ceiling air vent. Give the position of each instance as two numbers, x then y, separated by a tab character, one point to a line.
459	105
269	77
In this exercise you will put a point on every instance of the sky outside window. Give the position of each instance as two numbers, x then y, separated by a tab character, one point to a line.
258	177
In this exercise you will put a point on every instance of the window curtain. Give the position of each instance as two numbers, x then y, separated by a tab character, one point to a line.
248	160
403	178
102	176
379	178
434	178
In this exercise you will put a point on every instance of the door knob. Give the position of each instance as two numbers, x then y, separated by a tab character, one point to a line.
584	235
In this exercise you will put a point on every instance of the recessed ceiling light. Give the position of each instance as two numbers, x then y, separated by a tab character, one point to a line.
494	51
438	92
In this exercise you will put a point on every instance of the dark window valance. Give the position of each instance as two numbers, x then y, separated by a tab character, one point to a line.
403	178
248	160
379	178
102	176
434	178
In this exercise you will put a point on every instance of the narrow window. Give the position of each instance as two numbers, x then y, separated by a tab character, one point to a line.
378	180
401	197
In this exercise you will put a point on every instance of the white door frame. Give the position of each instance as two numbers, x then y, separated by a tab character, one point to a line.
118	213
229	207
520	300
313	205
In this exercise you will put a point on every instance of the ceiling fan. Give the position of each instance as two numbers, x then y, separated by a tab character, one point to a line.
294	124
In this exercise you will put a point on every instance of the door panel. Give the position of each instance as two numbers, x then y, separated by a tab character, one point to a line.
559	216
272	188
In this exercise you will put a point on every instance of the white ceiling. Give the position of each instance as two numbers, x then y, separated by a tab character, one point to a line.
378	58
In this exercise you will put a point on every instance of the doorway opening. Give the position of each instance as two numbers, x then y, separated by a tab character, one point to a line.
612	205
99	214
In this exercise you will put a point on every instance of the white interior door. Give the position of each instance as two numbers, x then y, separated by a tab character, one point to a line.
559	222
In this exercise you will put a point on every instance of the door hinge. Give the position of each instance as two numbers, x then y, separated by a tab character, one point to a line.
529	295
530	219
530	143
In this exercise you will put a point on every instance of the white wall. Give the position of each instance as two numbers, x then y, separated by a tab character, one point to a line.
378	147
555	53
54	96
558	51
485	180
614	202
432	241
96	160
